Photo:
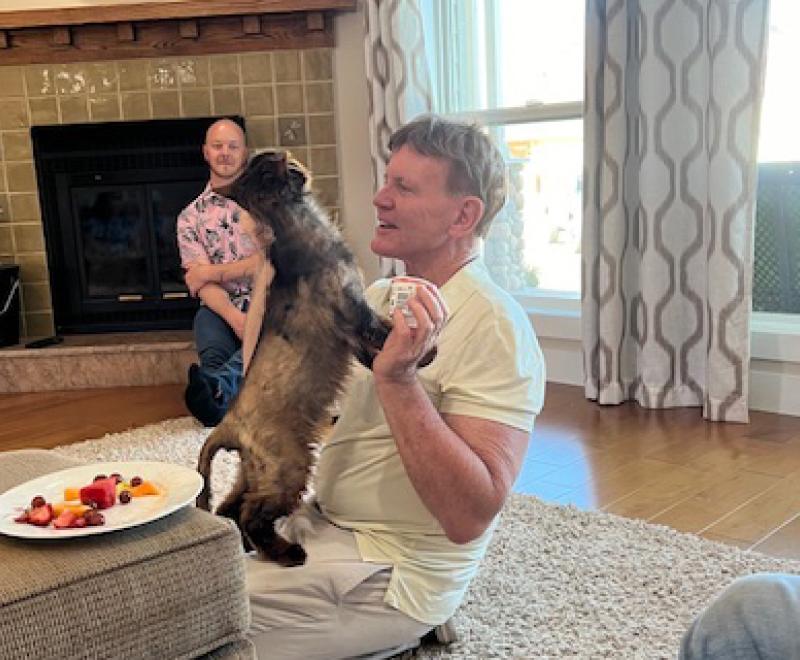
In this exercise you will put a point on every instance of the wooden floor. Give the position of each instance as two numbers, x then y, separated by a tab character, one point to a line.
733	483
47	419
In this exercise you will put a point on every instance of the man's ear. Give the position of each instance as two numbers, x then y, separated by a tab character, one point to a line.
468	217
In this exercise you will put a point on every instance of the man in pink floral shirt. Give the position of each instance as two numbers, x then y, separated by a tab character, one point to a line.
220	261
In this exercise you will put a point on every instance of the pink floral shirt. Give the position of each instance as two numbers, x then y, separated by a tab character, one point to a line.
209	232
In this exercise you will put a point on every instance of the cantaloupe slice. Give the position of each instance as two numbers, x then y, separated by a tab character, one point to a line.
77	509
72	494
145	488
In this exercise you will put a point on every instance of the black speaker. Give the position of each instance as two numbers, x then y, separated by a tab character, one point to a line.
9	305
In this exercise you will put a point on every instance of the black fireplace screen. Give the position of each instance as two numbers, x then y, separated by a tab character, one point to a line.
126	237
113	239
110	196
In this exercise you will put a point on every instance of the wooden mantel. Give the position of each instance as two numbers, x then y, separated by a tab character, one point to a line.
164	28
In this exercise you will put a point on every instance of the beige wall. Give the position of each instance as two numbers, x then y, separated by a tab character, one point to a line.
352	122
286	97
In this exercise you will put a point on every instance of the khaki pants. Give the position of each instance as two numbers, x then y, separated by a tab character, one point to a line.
331	607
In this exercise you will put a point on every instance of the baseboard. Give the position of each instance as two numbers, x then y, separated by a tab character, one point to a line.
563	360
774	385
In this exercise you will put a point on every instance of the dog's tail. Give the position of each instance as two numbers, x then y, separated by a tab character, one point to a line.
222	437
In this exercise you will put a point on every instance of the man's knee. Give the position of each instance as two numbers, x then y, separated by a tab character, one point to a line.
761	597
756	616
214	339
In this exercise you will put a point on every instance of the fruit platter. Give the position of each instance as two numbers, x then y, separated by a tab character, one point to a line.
96	498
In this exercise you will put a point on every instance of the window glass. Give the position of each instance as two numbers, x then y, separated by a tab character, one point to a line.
776	268
508	63
779	139
540	52
543	217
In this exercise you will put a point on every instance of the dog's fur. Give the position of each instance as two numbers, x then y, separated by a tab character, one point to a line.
316	320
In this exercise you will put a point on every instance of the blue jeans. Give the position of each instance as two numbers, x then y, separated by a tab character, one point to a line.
756	617
220	353
216	342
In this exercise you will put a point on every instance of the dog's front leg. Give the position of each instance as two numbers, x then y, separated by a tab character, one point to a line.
222	437
372	333
259	514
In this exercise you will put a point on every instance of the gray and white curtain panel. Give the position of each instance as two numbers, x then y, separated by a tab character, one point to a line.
398	80
673	92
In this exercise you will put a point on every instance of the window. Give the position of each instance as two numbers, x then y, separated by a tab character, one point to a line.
776	276
498	62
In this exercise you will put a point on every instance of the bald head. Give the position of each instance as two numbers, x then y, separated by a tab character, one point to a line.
225	152
224	128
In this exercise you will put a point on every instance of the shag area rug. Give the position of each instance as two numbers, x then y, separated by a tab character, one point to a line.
557	582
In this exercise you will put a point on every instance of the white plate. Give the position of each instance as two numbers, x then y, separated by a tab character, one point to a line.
180	486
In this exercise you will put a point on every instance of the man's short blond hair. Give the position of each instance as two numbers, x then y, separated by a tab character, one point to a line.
476	165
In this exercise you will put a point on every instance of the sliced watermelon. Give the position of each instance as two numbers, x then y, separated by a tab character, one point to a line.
102	493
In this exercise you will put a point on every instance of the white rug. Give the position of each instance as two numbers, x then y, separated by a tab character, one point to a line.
557	582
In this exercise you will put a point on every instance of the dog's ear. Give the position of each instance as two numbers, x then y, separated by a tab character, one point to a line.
298	180
270	179
278	172
295	178
281	165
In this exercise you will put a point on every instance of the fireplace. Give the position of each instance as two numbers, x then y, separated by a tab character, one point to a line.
110	194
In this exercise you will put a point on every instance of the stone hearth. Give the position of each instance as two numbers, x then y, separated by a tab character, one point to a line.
107	360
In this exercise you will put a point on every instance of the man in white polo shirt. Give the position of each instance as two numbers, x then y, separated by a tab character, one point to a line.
409	485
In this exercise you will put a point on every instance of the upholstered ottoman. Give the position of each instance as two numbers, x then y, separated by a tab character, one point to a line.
173	588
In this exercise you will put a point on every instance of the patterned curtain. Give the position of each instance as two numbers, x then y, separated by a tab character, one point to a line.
397	77
673	92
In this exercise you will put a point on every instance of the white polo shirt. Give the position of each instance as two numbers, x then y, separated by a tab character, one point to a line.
488	366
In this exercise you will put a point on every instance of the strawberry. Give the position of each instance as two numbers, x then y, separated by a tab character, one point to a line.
40	515
22	517
65	519
79	521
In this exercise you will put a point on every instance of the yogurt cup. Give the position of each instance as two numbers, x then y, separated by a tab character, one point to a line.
402	288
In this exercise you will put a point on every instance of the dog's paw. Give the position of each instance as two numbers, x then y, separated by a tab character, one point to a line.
427	358
294	556
286	555
202	501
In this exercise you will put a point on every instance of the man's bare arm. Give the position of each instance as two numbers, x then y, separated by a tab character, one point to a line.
255	313
462	467
199	274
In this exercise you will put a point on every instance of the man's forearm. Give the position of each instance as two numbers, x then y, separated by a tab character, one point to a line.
451	479
217	300
241	269
255	314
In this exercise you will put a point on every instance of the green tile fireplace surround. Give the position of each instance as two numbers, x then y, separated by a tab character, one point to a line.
285	96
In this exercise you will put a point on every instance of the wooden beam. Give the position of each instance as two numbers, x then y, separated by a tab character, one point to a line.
62	36
169	9
125	32
315	21
218	35
188	29
251	24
